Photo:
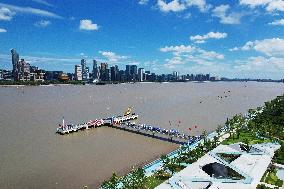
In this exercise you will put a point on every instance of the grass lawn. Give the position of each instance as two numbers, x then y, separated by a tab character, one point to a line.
153	182
245	136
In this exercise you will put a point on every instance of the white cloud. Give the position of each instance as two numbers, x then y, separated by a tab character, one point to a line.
112	57
187	16
3	30
178	49
43	3
174	6
181	5
182	55
172	62
254	3
210	35
88	25
6	14
42	23
210	55
234	49
29	10
269	47
201	4
277	22
269	5
260	67
277	5
143	2
226	18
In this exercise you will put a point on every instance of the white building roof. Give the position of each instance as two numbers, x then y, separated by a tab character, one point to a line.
250	165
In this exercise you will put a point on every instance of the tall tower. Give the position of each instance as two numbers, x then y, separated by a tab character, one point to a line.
141	73
114	72
15	60
175	75
104	72
96	73
127	72
133	72
85	70
78	72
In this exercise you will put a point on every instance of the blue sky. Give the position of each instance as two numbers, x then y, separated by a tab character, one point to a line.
233	38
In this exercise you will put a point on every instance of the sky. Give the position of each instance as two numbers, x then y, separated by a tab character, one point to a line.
228	38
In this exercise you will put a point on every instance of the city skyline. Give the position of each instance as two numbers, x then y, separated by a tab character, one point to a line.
239	38
23	71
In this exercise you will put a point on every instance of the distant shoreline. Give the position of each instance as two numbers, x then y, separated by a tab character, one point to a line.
22	84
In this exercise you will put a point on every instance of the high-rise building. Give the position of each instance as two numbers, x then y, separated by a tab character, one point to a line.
207	77
78	72
121	76
15	60
23	71
175	75
85	70
104	72
96	71
141	74
131	71
127	73
114	71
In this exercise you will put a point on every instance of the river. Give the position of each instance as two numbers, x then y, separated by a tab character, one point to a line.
33	156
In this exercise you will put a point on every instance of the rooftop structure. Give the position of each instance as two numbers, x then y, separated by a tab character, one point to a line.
235	166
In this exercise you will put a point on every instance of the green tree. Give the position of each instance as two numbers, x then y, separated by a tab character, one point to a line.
112	183
164	158
136	179
218	130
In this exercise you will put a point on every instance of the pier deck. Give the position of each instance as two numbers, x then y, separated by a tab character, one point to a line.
126	123
151	134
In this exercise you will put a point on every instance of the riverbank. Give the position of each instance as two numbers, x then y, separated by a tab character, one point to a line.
10	83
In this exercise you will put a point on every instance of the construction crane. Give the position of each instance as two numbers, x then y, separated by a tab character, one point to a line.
128	111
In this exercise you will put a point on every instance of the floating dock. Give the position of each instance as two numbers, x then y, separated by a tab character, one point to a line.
66	129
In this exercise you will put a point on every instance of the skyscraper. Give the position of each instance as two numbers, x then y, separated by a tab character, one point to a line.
78	72
104	72
141	73
114	71
96	73
23	70
127	73
15	60
175	75
85	70
131	72
207	77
